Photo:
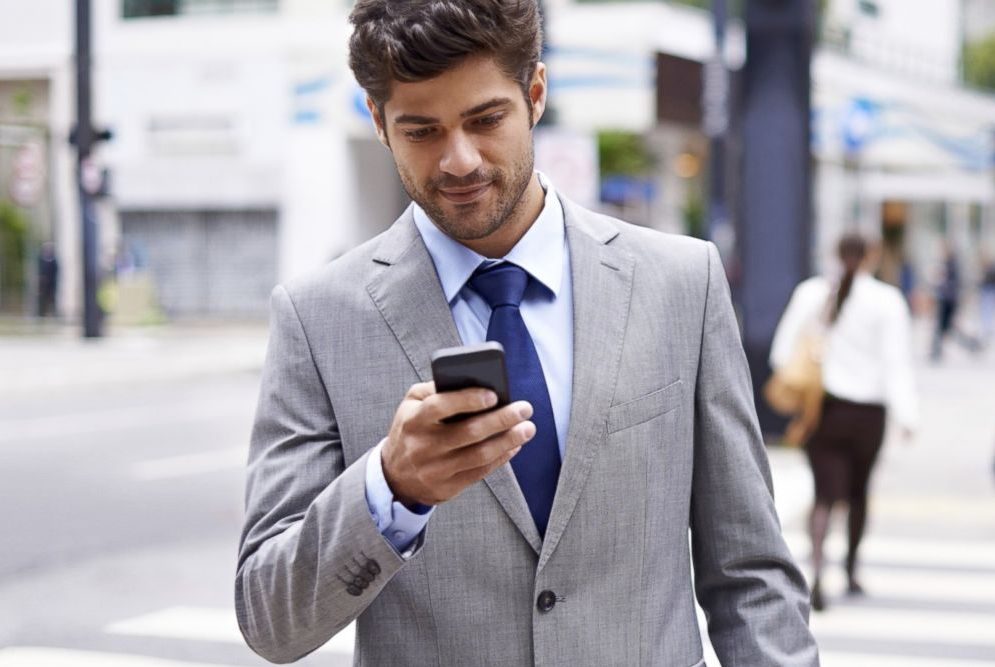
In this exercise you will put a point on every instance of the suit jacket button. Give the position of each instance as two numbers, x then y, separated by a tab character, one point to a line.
546	601
373	567
353	590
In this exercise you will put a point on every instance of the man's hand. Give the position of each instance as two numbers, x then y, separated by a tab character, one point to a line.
427	461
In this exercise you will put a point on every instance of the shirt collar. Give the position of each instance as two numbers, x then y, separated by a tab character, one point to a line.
539	251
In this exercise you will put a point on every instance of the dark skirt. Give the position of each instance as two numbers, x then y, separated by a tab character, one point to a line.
844	447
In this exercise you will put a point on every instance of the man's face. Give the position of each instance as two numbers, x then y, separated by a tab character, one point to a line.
462	143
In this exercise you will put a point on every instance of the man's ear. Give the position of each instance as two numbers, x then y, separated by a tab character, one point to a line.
378	122
537	92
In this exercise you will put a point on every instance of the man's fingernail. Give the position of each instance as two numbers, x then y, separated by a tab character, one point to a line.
490	399
525	411
528	429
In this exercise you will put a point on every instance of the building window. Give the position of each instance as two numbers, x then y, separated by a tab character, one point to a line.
143	8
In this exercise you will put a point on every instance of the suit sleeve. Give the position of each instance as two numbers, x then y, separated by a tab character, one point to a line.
754	596
311	558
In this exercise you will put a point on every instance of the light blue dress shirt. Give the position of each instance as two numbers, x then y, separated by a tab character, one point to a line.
547	309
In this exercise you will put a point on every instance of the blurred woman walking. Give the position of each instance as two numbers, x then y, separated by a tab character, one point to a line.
866	373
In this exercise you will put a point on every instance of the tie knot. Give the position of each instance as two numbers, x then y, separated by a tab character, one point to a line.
500	285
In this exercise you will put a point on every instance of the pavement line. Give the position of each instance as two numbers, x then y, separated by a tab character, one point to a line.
22	656
962	628
846	659
922	552
917	585
118	419
190	464
208	624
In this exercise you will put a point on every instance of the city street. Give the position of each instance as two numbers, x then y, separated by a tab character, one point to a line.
121	470
122	499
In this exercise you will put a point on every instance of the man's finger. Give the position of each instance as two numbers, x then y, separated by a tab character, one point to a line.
481	427
494	450
420	391
442	405
468	477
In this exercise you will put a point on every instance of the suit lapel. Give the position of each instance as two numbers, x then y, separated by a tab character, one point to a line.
409	297
602	287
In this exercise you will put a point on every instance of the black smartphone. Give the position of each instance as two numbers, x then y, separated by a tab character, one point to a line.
482	365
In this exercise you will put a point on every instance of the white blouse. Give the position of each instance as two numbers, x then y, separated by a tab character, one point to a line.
868	353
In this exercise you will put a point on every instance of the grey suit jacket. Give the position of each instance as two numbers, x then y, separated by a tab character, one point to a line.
663	438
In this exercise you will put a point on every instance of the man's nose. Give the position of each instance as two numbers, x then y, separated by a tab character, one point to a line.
461	156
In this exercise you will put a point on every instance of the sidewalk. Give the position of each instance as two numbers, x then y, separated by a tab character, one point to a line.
56	358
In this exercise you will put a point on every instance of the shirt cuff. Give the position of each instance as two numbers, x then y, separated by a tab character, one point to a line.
398	524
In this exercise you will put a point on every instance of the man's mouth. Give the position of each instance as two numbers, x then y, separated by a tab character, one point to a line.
465	195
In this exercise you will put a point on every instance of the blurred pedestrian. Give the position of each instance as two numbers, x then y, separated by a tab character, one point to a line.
988	301
947	305
866	373
907	280
48	279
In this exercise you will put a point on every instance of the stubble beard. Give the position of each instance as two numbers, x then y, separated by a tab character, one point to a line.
471	221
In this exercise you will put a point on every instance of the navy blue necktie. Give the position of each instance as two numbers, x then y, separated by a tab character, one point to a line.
537	465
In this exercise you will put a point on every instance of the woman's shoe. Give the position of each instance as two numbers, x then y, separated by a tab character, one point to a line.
818	604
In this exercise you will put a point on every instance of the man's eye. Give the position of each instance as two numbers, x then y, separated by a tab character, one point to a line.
490	121
419	134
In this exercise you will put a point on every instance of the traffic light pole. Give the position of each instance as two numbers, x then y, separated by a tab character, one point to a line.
775	217
84	139
715	105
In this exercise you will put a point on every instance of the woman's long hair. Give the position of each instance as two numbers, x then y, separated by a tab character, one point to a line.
852	249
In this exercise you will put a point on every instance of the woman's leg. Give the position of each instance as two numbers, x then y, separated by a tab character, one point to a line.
856	522
870	422
818	527
829	470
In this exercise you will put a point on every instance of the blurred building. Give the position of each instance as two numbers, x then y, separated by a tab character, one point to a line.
904	149
243	153
36	164
240	152
978	19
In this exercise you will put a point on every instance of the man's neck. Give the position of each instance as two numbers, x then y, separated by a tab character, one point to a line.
501	242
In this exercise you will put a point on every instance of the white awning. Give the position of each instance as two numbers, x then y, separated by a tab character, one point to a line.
953	186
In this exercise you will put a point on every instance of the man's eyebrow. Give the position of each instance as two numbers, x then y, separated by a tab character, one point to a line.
413	119
486	106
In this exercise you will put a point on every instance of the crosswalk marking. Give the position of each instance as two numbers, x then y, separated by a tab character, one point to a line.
919	585
961	628
845	659
929	592
19	656
208	624
966	554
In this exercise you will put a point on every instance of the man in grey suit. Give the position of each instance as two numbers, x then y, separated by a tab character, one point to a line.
551	531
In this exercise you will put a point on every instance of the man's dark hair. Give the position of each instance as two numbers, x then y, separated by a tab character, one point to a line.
416	40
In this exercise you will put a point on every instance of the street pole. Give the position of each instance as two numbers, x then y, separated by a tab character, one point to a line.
715	123
773	243
84	139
